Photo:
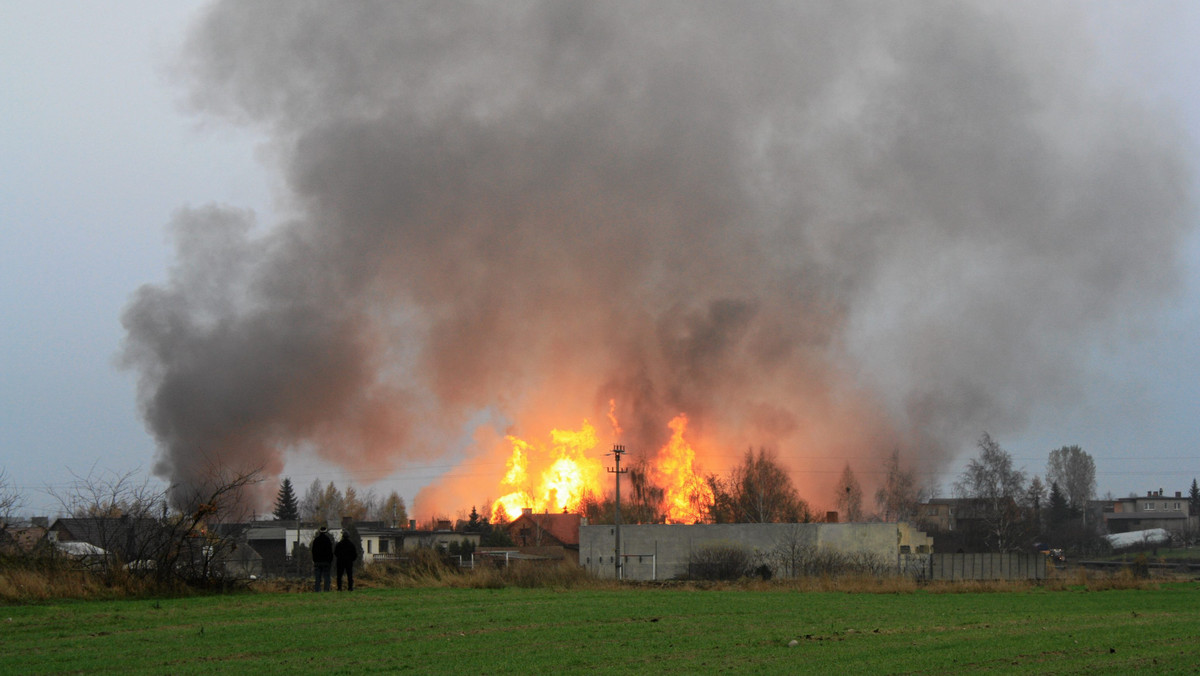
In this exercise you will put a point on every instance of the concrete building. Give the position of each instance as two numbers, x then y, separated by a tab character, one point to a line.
1154	510
661	552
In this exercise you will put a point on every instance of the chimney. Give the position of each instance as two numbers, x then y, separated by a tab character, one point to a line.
525	511
1178	494
412	524
831	517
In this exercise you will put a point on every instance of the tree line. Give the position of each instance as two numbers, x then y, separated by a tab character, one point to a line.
326	503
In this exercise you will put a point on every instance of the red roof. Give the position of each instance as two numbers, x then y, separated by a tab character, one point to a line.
562	527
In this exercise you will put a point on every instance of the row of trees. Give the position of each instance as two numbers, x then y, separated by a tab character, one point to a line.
760	490
1003	508
326	503
1010	510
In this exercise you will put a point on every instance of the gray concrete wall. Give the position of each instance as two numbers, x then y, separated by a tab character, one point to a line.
663	551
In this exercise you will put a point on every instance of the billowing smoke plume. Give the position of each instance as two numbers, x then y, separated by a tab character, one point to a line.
834	229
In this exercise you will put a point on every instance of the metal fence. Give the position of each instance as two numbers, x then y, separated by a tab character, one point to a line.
938	567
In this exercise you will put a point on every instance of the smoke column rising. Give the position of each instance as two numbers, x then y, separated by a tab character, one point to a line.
830	228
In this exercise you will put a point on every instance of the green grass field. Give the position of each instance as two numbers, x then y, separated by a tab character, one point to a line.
627	630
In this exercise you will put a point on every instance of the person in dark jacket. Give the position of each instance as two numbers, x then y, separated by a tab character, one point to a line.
346	553
322	556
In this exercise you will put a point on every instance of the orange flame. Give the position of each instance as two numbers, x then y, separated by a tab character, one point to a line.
612	418
557	478
686	492
550	479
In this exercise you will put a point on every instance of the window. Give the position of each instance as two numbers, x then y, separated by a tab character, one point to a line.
1149	506
383	546
1178	507
368	544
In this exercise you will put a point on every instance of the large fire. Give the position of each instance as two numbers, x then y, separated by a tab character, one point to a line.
558	477
569	469
686	491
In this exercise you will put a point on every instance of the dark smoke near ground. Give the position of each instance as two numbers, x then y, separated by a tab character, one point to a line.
832	229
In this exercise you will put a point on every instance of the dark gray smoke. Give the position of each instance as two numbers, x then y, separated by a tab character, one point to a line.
831	228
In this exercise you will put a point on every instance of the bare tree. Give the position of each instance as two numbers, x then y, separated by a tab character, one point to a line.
644	503
203	533
10	499
352	506
722	509
1075	473
900	494
372	504
119	514
393	511
330	505
140	533
310	503
790	551
1035	499
762	492
996	486
849	496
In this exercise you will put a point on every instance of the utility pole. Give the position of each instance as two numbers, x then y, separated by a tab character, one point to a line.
617	451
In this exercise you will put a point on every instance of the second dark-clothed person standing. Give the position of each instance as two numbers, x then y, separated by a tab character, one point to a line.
346	553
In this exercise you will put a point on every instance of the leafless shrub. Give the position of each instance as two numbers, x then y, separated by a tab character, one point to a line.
719	562
134	533
792	558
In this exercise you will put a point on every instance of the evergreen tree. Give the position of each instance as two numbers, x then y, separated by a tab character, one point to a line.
1060	509
1194	499
491	536
473	523
286	507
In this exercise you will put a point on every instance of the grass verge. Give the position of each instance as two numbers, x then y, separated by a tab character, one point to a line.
769	629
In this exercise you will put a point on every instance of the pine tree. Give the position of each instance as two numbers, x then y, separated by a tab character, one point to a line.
1060	509
286	508
1194	499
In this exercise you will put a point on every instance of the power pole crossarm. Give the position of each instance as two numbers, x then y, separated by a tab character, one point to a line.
617	452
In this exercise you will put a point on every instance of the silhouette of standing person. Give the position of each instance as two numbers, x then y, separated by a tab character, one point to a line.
322	556
346	553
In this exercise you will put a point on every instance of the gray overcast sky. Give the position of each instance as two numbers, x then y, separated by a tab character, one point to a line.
96	155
